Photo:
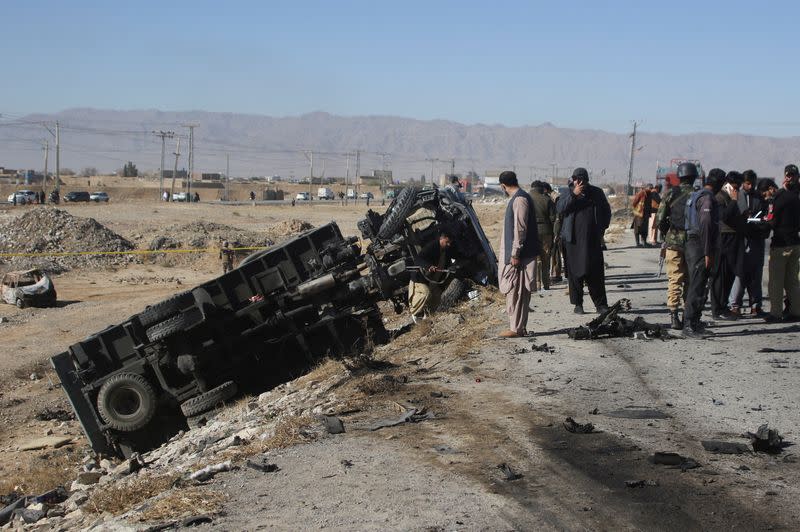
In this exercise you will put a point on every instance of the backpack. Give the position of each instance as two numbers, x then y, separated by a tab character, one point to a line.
692	218
677	211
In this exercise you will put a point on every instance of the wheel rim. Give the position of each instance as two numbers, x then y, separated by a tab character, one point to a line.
125	403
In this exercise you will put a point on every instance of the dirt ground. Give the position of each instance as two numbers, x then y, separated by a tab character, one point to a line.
492	402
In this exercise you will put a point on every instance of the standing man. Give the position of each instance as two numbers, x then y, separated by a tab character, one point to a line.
587	215
641	216
750	253
671	221
226	255
557	260
655	202
424	289
545	211
724	270
702	247
520	246
784	252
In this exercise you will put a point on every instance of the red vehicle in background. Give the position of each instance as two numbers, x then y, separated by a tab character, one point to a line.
668	175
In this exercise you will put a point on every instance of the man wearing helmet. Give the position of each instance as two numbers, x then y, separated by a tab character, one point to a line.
671	223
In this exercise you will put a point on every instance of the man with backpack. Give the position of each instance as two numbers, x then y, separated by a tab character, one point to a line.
672	224
702	250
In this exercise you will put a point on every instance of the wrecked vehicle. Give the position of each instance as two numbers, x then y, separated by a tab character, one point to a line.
135	384
28	288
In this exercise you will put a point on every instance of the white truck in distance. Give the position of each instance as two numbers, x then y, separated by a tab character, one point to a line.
325	193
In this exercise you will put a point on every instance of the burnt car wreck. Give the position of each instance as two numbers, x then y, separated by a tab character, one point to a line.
135	384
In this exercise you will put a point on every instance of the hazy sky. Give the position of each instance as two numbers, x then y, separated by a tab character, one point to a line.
679	66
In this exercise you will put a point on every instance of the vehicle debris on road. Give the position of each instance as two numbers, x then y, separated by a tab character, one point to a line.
766	440
508	473
578	428
610	325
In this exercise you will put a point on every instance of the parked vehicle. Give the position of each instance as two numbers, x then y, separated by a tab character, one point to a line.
366	195
76	196
23	197
28	288
179	196
136	384
351	194
325	193
99	196
302	196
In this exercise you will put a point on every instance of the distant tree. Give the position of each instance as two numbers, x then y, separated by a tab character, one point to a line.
89	171
66	171
130	170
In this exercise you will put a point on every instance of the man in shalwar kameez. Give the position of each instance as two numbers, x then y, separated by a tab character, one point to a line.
519	247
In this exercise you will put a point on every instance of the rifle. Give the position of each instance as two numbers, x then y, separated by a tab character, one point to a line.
661	258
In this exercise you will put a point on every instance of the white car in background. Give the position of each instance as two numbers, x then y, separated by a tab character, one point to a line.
179	196
302	196
99	196
23	197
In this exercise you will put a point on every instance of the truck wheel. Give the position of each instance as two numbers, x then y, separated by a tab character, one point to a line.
165	309
207	401
20	303
126	402
399	210
455	293
168	327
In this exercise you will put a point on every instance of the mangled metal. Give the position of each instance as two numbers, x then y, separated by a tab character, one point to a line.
609	324
135	384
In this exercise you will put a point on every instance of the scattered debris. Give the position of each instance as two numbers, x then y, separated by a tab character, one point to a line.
610	324
209	471
412	415
766	440
717	402
674	460
578	428
544	348
640	483
263	466
638	412
43	443
508	473
776	350
725	447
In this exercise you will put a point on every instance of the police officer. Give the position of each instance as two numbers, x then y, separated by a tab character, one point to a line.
226	255
702	250
671	223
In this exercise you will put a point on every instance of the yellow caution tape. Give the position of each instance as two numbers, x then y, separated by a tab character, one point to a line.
132	252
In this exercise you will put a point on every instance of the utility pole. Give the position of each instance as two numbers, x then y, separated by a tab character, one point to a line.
227	174
358	174
191	160
431	161
177	154
311	173
452	167
346	176
164	135
57	185
630	164
46	153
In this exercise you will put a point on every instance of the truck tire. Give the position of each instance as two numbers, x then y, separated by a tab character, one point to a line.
126	402
168	327
20	303
398	212
207	401
165	309
455	293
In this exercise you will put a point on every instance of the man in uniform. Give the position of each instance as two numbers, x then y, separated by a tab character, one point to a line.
702	249
671	223
587	215
545	210
519	245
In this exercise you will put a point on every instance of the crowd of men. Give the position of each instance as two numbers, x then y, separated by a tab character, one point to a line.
712	231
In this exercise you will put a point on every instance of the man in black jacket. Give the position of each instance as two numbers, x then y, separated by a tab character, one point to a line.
750	248
723	270
784	252
587	215
425	287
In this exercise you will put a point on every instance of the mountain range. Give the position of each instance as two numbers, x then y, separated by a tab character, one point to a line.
262	145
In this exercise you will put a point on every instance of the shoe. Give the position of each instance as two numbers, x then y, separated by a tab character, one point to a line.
556	279
769	318
578	309
694	332
725	315
508	334
757	312
676	321
602	308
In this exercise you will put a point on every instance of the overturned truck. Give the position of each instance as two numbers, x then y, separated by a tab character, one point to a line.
135	384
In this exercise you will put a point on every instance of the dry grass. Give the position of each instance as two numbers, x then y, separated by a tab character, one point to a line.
289	431
376	385
325	369
42	473
120	498
183	503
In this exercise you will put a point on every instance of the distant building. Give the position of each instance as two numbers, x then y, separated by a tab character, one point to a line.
383	175
182	174
213	176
